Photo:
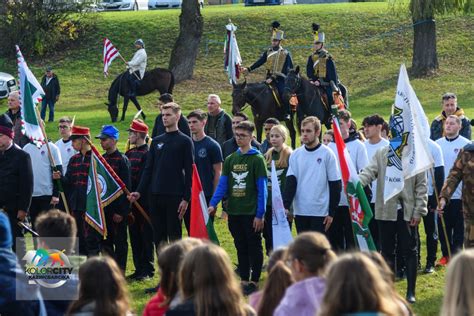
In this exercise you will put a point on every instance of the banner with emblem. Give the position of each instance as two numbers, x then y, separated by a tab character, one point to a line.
103	187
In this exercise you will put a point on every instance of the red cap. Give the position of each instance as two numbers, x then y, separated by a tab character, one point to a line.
137	126
79	131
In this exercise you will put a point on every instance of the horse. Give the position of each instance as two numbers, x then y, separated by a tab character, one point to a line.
263	105
156	79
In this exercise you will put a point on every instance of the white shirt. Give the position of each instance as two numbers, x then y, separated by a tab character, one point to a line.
313	170
138	62
359	158
371	149
42	174
451	149
67	151
437	155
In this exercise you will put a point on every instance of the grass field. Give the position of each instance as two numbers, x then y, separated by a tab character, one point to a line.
368	40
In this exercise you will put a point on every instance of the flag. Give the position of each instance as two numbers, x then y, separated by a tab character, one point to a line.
408	154
110	53
232	60
103	187
281	230
31	93
201	225
359	206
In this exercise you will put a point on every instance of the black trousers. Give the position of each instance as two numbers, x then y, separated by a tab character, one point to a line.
82	231
249	246
18	246
38	205
454	221
341	233
164	218
141	241
430	224
309	223
374	229
398	234
268	230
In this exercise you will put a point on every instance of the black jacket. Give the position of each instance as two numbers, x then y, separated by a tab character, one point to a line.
51	90
19	139
121	166
76	179
223	128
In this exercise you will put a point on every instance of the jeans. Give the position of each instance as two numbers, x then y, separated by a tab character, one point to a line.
45	103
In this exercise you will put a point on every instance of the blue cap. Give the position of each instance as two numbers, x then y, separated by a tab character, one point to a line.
108	131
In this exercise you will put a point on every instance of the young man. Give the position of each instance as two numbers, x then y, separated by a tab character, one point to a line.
451	146
267	127
450	107
116	213
218	124
140	231
168	176
159	128
230	146
341	233
374	141
50	85
16	182
313	181
65	143
244	180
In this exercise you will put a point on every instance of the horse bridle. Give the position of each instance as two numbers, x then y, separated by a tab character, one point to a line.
249	102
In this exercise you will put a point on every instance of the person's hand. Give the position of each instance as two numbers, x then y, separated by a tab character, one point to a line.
415	221
133	197
126	63
245	70
441	206
21	215
117	218
56	175
211	210
257	224
269	80
57	98
183	206
327	222
54	200
317	83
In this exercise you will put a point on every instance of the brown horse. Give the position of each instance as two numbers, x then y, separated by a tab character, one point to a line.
156	79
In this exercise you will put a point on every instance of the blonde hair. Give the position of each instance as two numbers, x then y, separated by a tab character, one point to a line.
207	277
286	150
313	120
458	291
173	106
356	278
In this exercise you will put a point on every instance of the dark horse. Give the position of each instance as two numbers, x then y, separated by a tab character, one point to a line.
156	79
260	98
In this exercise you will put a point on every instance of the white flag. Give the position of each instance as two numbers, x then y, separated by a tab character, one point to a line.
232	59
280	228
408	154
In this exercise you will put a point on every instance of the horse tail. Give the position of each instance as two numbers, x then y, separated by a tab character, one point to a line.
171	85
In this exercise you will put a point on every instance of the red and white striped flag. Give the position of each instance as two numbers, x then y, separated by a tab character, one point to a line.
110	53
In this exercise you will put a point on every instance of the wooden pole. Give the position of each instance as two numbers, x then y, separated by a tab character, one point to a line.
121	57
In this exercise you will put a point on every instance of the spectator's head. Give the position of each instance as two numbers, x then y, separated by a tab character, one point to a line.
6	240
14	101
54	227
49	71
169	263
238	117
459	289
6	132
278	136
137	132
385	130
109	136
165	98
450	103
310	130
101	282
244	133
197	120
345	277
213	104
309	255
373	127
171	113
267	126
64	127
215	289
345	123
328	137
452	126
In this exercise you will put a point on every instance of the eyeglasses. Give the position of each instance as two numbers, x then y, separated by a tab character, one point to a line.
241	136
63	127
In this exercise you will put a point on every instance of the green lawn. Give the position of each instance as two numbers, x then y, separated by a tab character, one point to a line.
368	40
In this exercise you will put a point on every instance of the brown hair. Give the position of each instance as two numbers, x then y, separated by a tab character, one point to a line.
208	279
198	114
173	106
344	115
456	118
102	283
246	126
53	224
286	151
314	121
313	250
65	119
344	279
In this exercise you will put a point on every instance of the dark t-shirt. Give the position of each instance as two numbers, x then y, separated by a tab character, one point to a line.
207	152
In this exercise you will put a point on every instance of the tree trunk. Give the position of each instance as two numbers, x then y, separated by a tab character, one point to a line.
425	58
185	50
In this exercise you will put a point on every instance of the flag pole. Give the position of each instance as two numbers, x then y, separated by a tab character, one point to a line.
127	192
51	160
443	224
125	62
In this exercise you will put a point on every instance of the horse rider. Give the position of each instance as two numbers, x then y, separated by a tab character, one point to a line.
277	62
136	67
320	68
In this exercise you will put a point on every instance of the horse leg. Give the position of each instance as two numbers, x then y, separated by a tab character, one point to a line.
137	105
292	130
259	128
125	105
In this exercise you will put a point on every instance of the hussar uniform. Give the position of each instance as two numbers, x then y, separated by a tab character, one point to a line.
137	67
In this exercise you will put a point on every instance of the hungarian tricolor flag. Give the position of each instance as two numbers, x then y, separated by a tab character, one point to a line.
201	224
103	187
359	206
31	93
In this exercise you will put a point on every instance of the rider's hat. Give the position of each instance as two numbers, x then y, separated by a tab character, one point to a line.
276	33
318	36
140	42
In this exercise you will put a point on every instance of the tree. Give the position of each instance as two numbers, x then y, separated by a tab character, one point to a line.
425	59
185	50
